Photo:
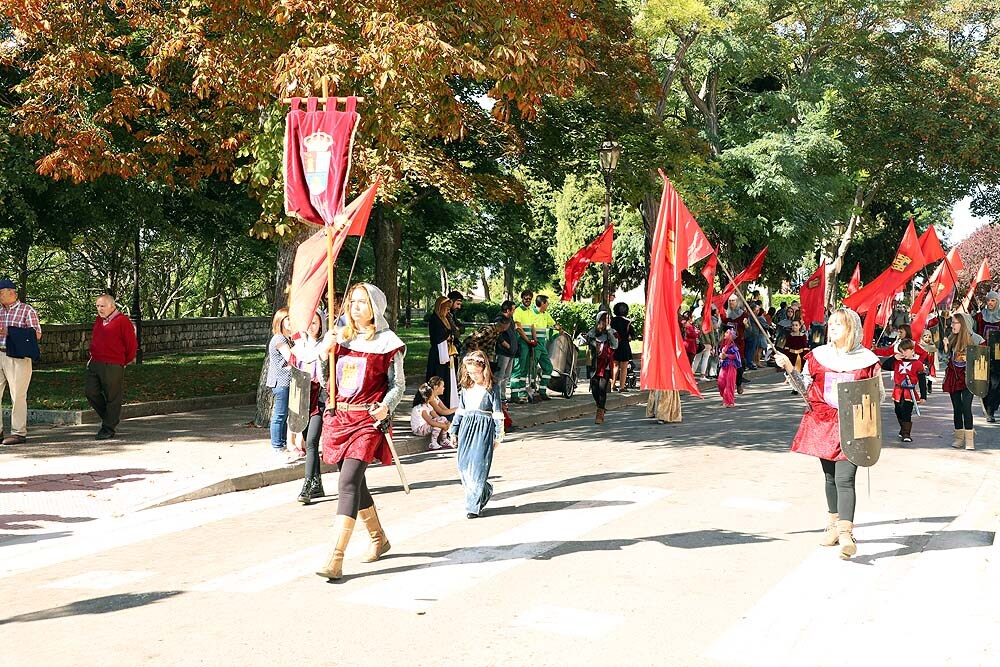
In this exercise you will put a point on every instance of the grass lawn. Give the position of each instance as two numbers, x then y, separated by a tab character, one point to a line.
159	378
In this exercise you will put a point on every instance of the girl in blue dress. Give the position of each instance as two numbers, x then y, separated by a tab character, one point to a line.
477	429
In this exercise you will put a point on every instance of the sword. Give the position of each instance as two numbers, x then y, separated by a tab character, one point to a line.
383	426
913	395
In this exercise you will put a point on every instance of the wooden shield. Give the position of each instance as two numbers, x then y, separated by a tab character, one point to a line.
977	369
298	400
860	418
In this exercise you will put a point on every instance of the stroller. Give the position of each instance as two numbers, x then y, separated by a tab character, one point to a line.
632	374
563	354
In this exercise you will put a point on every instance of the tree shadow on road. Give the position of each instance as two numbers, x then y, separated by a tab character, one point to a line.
9	540
23	521
935	540
699	539
892	522
101	605
91	480
552	506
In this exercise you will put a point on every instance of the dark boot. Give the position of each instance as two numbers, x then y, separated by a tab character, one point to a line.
317	489
907	426
306	494
901	427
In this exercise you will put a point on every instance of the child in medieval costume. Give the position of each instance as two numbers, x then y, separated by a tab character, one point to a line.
962	336
424	420
309	354
477	429
930	350
729	364
908	376
841	359
369	385
737	318
987	322
794	345
603	342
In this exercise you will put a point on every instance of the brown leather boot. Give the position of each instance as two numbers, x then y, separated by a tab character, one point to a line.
848	547
343	526
380	543
907	427
599	419
831	536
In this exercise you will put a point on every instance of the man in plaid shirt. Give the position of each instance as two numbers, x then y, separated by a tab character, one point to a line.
15	373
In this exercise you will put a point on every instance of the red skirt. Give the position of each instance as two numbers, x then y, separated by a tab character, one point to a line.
819	433
351	434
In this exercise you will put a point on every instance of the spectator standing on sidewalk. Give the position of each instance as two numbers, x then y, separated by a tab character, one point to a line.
279	377
439	358
16	319
507	348
523	315
454	314
623	353
706	362
112	347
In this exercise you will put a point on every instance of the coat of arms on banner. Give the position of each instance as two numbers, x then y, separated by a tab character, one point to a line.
316	161
901	262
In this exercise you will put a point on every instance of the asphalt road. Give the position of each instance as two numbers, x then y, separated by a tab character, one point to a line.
632	543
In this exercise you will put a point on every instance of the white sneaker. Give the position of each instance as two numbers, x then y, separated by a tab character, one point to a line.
434	446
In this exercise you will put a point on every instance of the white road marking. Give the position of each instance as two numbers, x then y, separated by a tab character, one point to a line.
102	579
106	534
567	621
822	599
305	562
755	504
419	588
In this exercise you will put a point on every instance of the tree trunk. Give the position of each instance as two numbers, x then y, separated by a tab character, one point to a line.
486	286
443	274
283	281
508	280
387	239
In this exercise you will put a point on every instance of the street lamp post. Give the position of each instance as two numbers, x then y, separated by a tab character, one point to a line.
608	154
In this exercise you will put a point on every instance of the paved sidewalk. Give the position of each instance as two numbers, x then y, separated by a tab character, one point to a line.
62	476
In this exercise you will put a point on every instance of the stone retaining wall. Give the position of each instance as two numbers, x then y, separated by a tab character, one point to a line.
63	343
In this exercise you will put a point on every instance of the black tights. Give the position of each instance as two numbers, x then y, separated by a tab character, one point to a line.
311	435
961	405
599	389
904	411
840	496
352	491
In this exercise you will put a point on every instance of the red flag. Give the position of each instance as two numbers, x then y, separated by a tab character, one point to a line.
868	333
982	275
855	282
598	250
907	262
309	271
752	272
919	322
317	159
942	281
706	310
884	310
678	242
813	296
930	245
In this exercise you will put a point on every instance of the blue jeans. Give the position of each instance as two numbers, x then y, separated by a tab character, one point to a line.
751	348
279	419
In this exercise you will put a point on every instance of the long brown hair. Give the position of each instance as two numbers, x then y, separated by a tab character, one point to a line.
443	305
958	343
466	379
278	320
348	332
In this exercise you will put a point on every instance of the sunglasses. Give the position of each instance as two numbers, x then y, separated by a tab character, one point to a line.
476	362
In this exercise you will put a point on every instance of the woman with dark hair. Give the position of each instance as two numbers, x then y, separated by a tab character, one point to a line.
623	353
439	357
369	385
603	342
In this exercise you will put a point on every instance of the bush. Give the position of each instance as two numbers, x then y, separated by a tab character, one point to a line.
480	311
582	316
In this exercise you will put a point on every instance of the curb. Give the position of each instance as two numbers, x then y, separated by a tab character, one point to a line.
133	410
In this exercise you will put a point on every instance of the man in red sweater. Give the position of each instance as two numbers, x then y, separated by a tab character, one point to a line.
112	347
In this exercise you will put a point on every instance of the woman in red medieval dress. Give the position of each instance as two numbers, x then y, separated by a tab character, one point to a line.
369	386
842	359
